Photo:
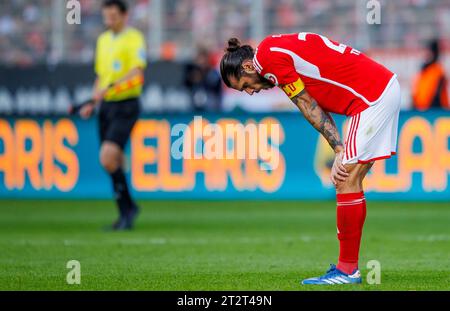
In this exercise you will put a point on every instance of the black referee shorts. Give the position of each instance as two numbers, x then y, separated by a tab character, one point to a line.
116	120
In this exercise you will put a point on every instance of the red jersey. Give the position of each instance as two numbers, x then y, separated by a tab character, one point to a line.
341	79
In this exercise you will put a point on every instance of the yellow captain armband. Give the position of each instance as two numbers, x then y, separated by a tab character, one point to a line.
294	88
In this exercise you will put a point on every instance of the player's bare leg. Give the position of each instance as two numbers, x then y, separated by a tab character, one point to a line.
351	214
353	183
111	156
112	160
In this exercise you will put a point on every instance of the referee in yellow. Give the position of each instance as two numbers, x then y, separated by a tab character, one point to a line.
119	64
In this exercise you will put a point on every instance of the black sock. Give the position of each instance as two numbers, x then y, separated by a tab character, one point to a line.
122	194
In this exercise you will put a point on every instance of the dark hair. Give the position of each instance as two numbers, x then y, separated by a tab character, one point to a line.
120	4
434	48
231	63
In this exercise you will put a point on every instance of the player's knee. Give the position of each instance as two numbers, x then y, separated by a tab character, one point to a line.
108	162
110	158
349	184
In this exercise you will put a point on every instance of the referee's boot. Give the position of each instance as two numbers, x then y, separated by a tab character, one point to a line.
119	224
131	216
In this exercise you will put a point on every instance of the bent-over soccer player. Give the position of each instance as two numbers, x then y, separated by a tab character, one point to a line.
321	77
119	65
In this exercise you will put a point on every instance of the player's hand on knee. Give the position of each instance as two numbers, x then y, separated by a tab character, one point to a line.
338	171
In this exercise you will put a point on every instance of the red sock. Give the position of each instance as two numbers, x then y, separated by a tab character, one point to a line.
351	214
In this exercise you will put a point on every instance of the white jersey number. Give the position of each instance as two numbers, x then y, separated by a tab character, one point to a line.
338	48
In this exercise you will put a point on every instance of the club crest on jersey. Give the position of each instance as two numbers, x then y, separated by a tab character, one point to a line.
272	78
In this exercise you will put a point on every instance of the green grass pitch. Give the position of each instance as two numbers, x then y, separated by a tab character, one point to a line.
213	245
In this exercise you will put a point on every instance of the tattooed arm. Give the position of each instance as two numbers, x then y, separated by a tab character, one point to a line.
324	123
319	119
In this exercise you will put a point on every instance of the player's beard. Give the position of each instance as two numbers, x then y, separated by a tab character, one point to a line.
265	83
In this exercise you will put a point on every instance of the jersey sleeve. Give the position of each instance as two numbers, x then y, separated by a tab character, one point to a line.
97	61
281	71
137	52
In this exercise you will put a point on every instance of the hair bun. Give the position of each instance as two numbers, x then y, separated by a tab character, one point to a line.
233	45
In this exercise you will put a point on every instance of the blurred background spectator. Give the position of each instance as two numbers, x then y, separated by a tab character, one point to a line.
430	85
204	82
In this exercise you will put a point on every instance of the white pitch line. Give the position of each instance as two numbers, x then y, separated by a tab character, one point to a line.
165	241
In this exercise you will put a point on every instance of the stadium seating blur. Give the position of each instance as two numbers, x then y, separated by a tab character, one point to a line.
26	25
35	31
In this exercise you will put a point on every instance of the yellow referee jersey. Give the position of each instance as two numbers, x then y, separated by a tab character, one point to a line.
116	55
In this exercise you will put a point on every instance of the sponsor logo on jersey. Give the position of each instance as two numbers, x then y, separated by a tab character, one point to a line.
117	65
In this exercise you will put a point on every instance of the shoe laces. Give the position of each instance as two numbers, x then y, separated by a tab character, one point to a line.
332	271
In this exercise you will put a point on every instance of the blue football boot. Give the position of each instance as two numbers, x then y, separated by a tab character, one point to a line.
335	276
